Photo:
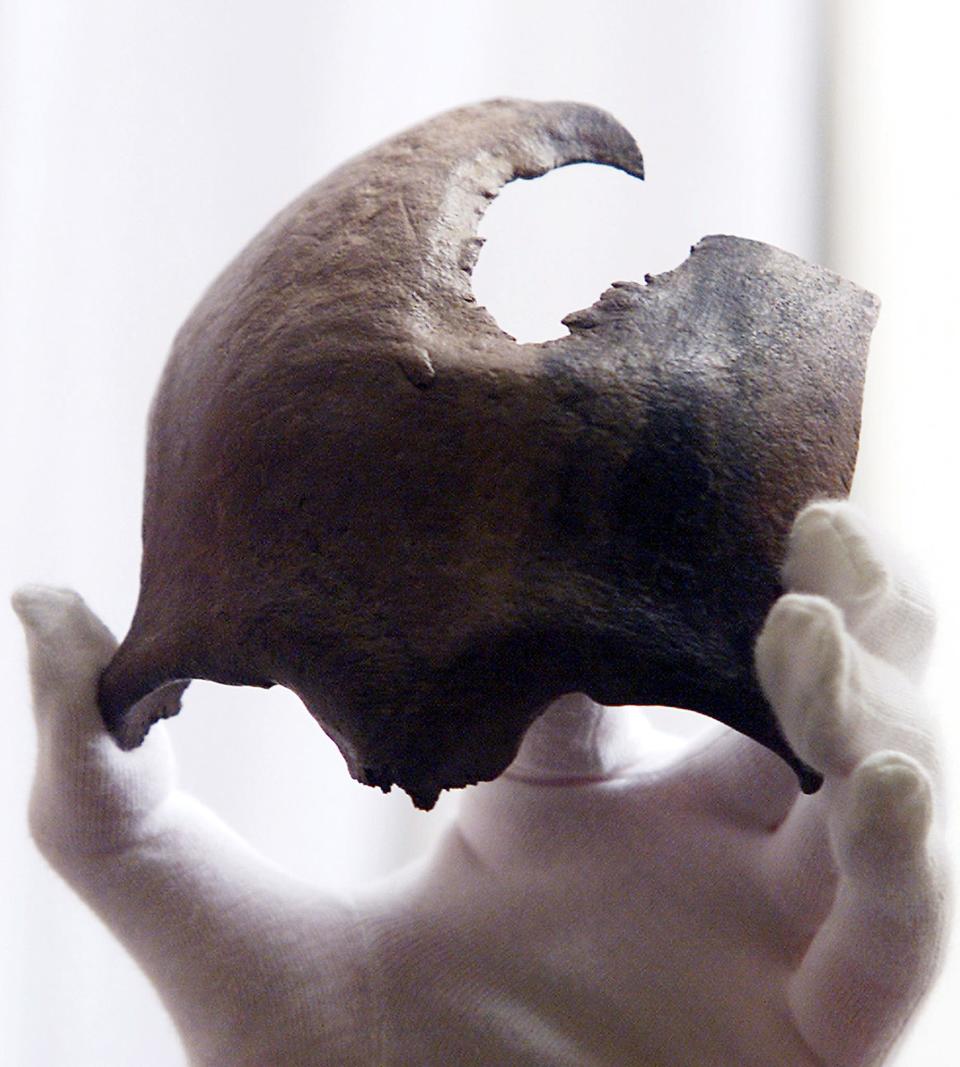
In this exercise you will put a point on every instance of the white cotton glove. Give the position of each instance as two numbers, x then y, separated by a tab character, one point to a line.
257	969
584	909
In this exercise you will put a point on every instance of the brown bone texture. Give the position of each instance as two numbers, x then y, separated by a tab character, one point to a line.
359	487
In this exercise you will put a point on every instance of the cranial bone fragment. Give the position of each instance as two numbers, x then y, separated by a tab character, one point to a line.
361	488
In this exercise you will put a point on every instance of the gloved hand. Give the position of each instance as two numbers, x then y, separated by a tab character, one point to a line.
591	906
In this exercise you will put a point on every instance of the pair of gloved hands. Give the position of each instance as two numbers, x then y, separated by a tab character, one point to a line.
587	907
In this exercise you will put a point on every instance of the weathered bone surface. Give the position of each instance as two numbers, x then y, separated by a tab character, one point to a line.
359	487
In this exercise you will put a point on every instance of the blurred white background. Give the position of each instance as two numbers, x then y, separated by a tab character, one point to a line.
142	145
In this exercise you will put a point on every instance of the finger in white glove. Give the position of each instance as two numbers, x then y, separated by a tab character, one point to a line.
839	662
254	967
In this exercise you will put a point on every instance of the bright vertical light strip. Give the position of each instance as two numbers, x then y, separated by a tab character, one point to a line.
894	227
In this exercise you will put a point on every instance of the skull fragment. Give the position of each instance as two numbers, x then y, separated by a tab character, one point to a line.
361	488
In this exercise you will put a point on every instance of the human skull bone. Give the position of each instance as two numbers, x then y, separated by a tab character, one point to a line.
361	488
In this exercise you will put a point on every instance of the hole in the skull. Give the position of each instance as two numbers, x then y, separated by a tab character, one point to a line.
553	245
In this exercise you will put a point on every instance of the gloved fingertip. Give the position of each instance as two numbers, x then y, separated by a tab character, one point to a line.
39	607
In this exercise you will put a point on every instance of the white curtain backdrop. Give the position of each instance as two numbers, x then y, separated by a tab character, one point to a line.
894	224
142	145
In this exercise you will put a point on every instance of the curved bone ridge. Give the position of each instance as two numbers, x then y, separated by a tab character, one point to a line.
444	174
